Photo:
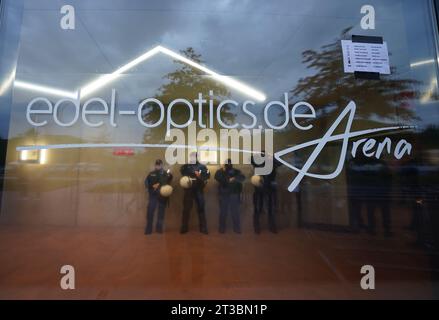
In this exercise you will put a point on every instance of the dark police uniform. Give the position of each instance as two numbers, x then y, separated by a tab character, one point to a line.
369	185
229	193
266	193
155	199
194	194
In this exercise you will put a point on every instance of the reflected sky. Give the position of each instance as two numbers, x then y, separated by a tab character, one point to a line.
258	42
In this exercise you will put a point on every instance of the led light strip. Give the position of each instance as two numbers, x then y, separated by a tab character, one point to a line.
128	145
421	63
105	79
5	85
243	88
44	89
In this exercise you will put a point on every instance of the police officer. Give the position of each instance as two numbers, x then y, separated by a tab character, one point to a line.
265	193
229	191
199	174
153	183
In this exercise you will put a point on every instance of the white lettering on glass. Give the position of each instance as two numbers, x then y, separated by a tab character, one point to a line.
40	109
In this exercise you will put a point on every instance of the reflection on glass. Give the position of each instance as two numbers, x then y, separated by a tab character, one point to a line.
377	211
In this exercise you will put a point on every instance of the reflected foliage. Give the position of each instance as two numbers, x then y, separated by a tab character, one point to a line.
384	100
186	82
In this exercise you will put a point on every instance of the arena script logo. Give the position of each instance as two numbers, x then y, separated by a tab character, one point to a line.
229	145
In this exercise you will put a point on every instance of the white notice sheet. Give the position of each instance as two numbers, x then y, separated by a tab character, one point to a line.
365	57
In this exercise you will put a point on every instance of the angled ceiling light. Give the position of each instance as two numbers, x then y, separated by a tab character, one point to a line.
428	95
102	81
228	81
421	63
8	81
105	79
44	89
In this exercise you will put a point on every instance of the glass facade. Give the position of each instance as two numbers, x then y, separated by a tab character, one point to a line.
73	187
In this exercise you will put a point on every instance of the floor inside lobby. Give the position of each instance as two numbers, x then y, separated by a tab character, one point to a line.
123	263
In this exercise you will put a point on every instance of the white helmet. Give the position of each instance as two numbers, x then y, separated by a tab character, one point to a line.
185	182
257	181
166	190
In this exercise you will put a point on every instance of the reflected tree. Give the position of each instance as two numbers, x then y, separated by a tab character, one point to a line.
386	100
329	89
186	82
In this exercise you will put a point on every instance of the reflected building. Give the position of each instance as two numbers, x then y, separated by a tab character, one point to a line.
77	177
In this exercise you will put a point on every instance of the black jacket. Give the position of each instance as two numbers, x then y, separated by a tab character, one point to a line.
157	176
227	186
190	169
269	179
